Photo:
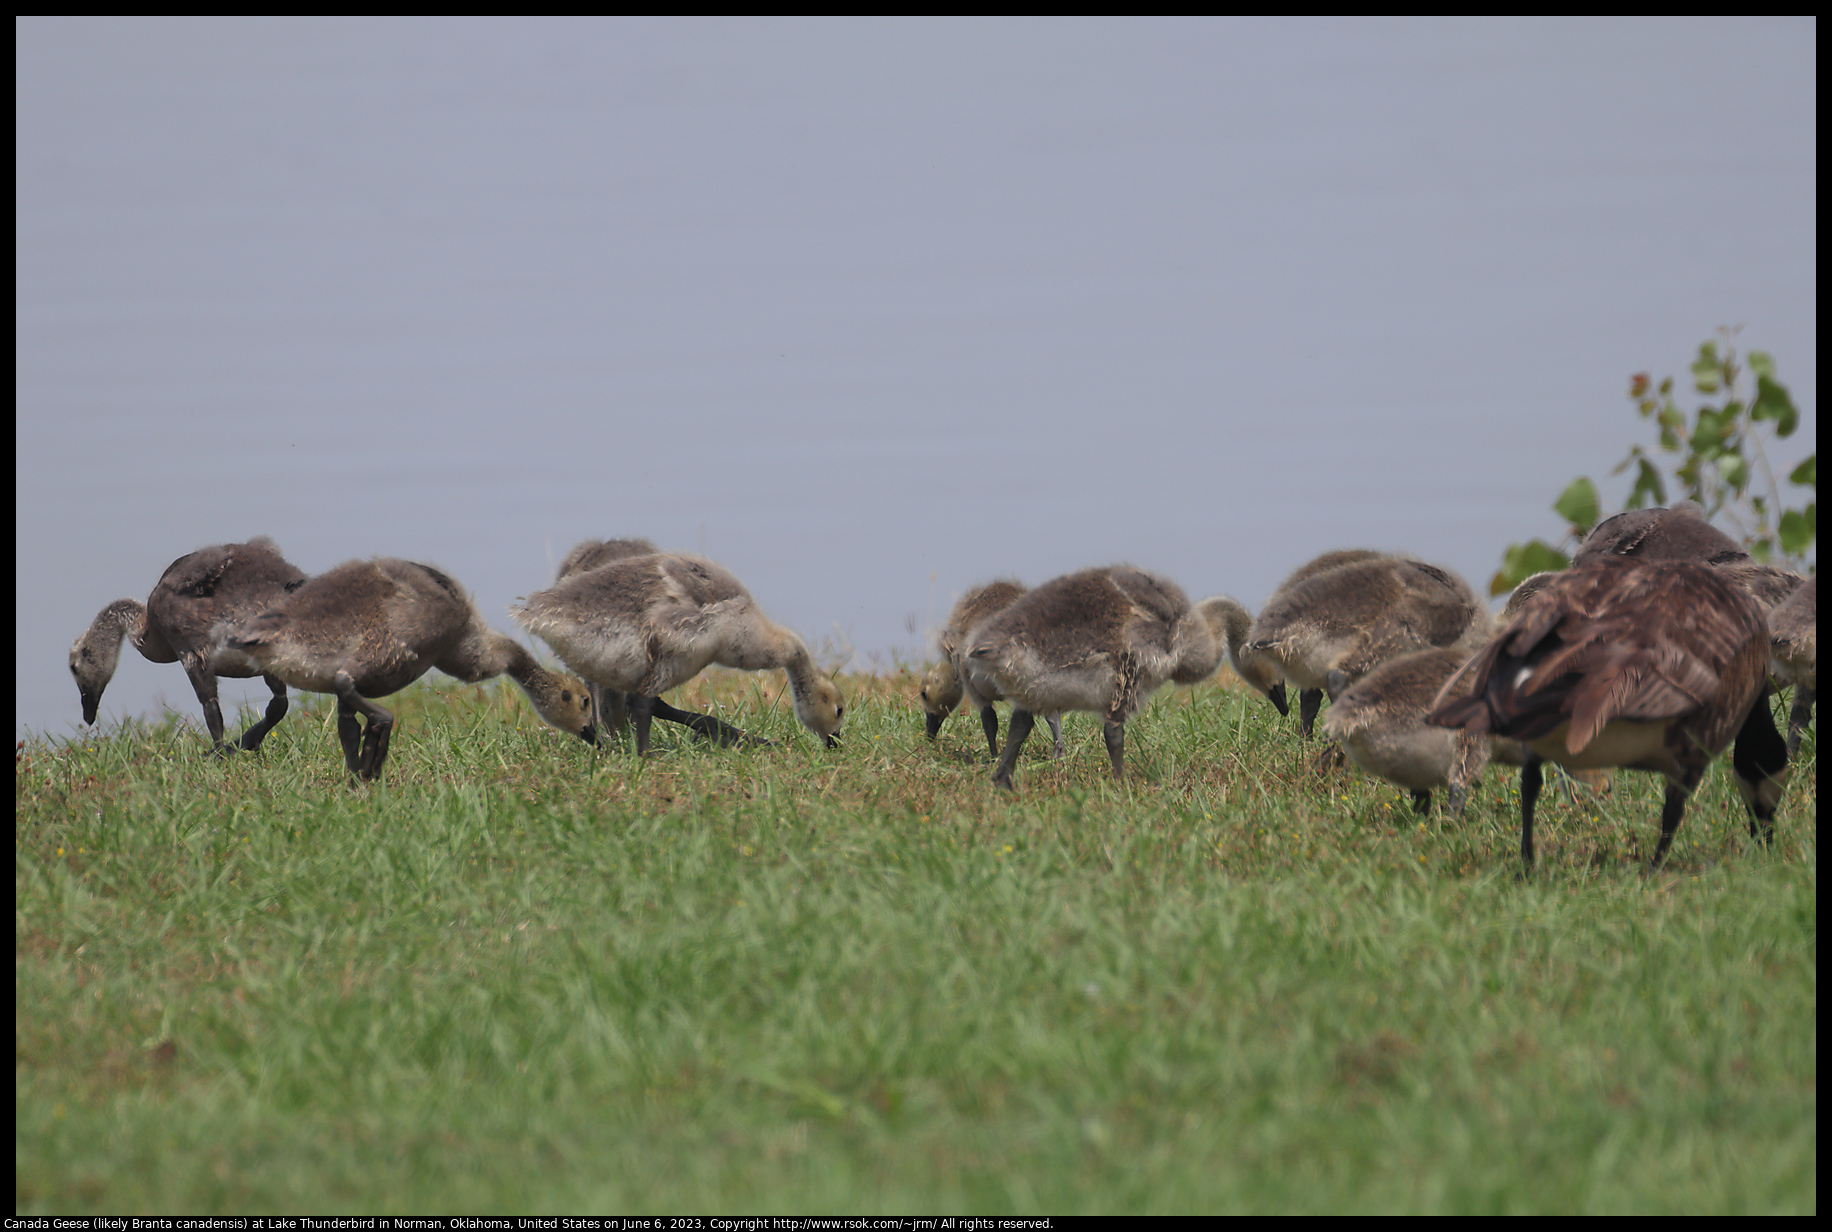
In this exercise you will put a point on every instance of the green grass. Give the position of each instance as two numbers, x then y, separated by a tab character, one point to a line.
515	975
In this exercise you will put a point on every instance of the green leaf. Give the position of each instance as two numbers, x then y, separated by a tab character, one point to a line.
1774	402
1648	487
1710	430
1733	469
1522	560
1799	527
1761	363
1807	473
1578	504
1707	371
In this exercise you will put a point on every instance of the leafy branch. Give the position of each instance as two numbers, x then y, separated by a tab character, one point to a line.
1718	460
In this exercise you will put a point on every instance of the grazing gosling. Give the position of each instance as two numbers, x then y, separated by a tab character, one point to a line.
1380	723
1311	699
646	624
1622	663
230	581
1257	669
1332	628
943	687
611	708
1794	645
1101	640
369	628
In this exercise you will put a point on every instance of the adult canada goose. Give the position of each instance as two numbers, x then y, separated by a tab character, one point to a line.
1255	665
1330	629
1647	666
1677	533
645	624
1795	646
1101	640
943	686
227	582
369	628
612	708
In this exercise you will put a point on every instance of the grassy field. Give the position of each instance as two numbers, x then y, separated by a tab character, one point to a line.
520	976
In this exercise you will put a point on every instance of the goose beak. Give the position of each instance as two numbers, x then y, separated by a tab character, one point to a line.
590	734
833	742
931	724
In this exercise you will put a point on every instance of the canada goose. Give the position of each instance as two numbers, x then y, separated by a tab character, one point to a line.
225	582
1330	629
369	628
1380	723
1678	533
1795	647
1260	665
1257	669
943	687
1101	640
1624	663
645	624
612	708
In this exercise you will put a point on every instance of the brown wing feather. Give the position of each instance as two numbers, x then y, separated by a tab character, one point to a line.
1614	639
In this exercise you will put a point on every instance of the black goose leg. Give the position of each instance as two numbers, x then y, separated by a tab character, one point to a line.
1531	780
276	710
1671	813
203	683
1421	803
1760	761
705	725
1309	702
642	717
1114	732
1015	735
989	720
363	754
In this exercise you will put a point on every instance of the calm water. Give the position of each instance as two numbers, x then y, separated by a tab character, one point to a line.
868	310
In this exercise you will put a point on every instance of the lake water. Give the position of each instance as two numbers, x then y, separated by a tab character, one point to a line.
868	310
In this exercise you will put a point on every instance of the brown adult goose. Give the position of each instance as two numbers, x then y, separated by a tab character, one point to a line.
1647	666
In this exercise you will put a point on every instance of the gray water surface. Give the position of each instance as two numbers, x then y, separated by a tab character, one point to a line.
868	310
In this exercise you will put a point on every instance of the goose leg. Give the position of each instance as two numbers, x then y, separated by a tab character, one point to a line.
1055	722
363	754
611	708
706	725
1671	813
1531	780
642	717
1421	803
1015	735
1759	761
276	710
989	720
203	683
1114	732
1309	702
